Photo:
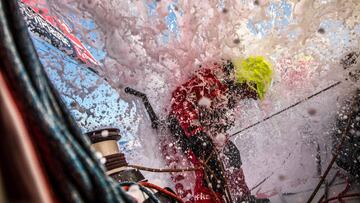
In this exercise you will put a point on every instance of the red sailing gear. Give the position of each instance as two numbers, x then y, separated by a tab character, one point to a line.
206	90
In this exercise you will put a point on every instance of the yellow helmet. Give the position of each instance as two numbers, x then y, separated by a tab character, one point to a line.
255	71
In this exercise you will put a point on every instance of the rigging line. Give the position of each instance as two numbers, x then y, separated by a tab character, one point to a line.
272	173
262	181
287	108
335	155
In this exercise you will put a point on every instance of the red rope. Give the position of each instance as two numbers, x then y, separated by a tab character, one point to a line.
162	190
344	196
341	194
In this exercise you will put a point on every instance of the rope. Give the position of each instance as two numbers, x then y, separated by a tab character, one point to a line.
115	161
162	190
337	151
344	196
162	170
72	168
143	189
287	108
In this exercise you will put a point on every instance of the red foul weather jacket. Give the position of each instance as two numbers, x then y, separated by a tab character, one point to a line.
206	91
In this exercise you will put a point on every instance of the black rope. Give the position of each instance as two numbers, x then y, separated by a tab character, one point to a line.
287	108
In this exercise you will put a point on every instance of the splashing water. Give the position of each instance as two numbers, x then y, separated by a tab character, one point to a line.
154	46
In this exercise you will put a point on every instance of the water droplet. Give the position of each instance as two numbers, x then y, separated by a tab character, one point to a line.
312	111
104	133
98	155
321	30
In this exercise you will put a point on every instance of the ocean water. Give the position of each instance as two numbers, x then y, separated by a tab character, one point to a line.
154	46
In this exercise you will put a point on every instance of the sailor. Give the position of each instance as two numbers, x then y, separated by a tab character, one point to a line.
202	111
